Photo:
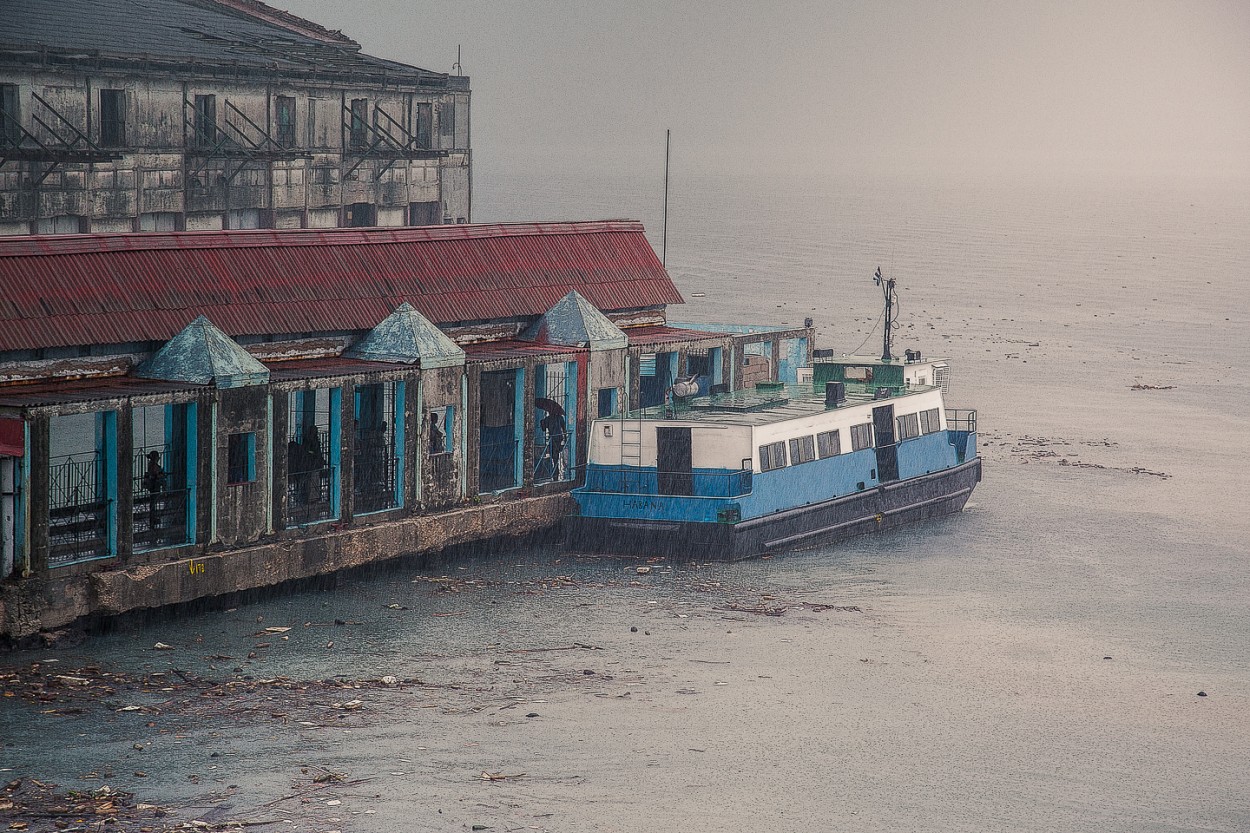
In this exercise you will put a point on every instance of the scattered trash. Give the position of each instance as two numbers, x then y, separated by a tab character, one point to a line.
642	571
161	646
500	776
1202	694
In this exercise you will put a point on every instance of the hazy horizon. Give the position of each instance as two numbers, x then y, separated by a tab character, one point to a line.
965	88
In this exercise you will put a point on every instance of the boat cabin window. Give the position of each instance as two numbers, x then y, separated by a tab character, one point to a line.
773	456
802	450
930	421
829	444
908	426
858	374
861	436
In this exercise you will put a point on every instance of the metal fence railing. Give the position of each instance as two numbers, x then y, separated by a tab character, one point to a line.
159	500
374	474
78	512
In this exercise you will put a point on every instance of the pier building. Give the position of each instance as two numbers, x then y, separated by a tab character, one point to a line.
188	414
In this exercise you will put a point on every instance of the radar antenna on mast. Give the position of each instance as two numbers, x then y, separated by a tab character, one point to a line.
891	298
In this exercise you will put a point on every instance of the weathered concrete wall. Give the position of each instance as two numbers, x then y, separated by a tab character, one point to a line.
243	507
47	603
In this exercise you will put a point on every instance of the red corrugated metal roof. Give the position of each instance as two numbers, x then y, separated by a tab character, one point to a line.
300	369
87	390
641	336
66	290
490	351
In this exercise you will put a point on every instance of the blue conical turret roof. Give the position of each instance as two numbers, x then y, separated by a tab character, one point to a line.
574	321
204	355
407	337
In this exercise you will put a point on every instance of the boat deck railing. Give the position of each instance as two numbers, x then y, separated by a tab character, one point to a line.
961	419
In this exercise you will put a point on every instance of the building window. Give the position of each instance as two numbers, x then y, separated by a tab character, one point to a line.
607	402
63	224
162	475
424	128
447	124
360	215
555	402
861	436
358	136
159	221
802	450
424	213
82	487
285	107
312	456
930	421
379	437
112	118
773	456
828	444
205	121
241	459
10	114
440	436
242	218
501	429
908	426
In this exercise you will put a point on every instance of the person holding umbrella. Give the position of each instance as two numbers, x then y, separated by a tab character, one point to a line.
556	429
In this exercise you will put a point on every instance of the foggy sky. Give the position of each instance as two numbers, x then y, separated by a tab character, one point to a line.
801	85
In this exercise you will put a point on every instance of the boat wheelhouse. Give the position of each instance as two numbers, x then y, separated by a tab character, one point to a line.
868	444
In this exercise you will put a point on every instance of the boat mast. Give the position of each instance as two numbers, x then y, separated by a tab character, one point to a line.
664	244
887	289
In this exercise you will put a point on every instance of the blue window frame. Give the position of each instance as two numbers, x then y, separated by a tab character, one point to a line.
82	488
241	458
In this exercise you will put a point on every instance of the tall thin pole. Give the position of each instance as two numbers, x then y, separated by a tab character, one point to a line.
664	240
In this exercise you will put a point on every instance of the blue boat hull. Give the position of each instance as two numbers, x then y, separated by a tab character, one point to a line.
884	507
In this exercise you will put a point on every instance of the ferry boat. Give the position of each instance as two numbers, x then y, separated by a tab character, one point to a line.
867	445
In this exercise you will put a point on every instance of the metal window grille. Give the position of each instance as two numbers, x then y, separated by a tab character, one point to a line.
551	429
159	497
78	511
374	467
310	476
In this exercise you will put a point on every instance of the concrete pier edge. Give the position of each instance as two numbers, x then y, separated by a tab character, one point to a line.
32	606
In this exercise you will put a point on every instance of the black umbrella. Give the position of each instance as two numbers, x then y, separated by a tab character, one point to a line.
549	405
